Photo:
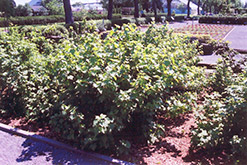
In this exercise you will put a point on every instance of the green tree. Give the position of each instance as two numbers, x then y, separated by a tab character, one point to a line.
117	3
218	6
145	5
23	10
54	7
77	4
160	5
7	7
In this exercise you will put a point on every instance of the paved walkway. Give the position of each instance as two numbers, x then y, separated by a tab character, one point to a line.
238	41
238	37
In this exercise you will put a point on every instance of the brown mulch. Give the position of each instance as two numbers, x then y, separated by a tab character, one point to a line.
30	126
174	148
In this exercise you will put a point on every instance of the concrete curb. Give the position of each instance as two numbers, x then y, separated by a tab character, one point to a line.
229	33
57	144
242	51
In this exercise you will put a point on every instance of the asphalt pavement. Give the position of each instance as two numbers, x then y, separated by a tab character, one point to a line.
238	38
19	150
26	148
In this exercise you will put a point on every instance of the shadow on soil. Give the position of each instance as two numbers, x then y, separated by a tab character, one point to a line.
52	155
164	147
208	157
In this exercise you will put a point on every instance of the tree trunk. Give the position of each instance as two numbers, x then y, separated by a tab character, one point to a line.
136	14
155	9
146	5
68	12
110	8
204	7
198	7
188	9
169	13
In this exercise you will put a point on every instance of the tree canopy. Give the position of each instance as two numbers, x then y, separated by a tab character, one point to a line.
54	7
7	7
23	10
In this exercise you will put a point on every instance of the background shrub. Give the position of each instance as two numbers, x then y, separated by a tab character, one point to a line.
148	20
119	22
43	20
31	20
223	20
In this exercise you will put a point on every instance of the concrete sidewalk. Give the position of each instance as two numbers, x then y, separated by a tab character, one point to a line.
238	38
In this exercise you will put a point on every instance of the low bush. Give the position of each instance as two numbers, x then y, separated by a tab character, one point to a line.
101	25
179	18
119	22
61	30
137	21
152	14
93	16
99	94
148	20
159	19
221	119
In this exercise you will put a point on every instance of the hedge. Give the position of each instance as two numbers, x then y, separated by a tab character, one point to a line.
31	20
223	20
34	20
177	17
119	22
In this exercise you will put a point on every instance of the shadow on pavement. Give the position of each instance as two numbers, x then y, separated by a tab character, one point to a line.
38	150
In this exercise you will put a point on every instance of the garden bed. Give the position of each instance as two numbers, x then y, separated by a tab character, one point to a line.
217	32
115	96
